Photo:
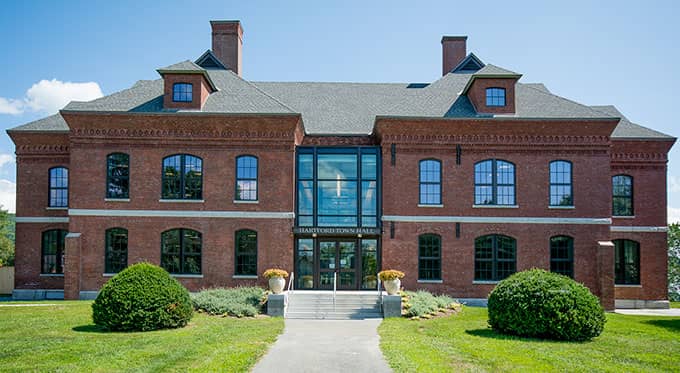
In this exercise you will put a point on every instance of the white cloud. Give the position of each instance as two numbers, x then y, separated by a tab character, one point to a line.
6	159
8	193
673	215
49	96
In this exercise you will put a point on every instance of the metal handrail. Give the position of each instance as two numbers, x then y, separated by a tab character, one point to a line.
335	286
291	281
380	299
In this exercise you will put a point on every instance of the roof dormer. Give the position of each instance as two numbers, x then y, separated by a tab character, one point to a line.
186	86
491	90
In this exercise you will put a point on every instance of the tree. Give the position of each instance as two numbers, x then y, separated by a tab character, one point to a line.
674	262
6	238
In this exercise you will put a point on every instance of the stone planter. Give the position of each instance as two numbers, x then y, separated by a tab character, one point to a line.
276	284
392	286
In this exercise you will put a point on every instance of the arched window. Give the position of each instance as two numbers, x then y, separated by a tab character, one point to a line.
562	255
182	177
622	195
246	178
116	250
430	182
626	262
118	175
246	253
560	184
182	92
58	187
53	243
495	257
495	96
429	257
494	182
181	251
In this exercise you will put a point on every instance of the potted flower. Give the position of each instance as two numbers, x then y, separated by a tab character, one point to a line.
276	279
307	281
392	281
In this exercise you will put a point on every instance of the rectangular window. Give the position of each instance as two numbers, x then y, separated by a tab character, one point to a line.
246	253
116	250
495	97
118	175
560	184
430	176
246	178
622	195
182	92
58	195
429	257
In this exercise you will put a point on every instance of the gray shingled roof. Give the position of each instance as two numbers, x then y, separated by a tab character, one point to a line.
55	123
627	129
345	108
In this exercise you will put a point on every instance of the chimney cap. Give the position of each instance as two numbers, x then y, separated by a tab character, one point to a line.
454	38
227	22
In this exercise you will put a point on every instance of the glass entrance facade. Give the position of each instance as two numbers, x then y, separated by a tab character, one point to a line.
337	217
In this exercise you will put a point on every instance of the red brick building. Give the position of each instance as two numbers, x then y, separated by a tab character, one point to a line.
458	183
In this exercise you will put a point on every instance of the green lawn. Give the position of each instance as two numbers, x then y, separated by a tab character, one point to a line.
63	338
675	304
464	342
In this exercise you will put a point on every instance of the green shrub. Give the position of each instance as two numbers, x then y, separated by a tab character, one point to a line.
421	303
142	297
537	303
239	302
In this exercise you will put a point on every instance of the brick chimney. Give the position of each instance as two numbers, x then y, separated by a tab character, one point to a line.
453	52
227	43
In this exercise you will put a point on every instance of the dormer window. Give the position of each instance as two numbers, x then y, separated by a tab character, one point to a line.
495	97
182	92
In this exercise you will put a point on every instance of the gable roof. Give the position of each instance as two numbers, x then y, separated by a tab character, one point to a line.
187	67
208	60
468	65
53	123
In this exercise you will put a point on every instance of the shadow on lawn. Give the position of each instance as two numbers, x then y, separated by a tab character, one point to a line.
672	325
490	333
90	328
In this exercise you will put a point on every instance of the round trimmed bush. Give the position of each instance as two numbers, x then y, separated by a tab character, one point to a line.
142	297
537	303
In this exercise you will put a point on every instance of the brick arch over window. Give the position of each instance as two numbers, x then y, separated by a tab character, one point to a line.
181	251
182	176
495	257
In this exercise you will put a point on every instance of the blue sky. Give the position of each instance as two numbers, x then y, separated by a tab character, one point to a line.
623	53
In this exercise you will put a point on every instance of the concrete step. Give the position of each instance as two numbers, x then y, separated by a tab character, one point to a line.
334	315
333	309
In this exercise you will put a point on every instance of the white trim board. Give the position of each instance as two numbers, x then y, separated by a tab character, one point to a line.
184	214
637	229
494	219
42	219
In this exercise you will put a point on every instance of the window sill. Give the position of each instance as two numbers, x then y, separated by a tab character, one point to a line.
624	217
436	206
485	282
56	208
561	207
51	275
495	206
627	286
185	276
116	200
246	202
244	277
108	274
430	281
181	200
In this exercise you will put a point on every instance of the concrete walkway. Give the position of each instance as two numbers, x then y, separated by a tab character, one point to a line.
649	312
326	346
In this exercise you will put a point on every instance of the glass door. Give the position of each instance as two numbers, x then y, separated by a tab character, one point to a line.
338	258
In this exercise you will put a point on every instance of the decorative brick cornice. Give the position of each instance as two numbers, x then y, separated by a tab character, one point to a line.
338	140
495	139
640	157
178	133
42	149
